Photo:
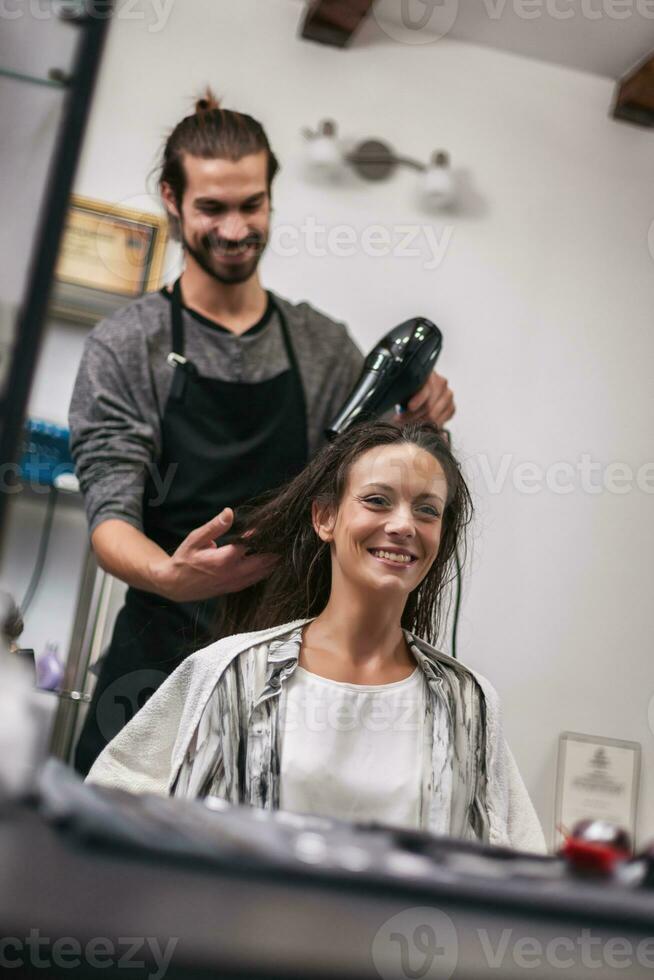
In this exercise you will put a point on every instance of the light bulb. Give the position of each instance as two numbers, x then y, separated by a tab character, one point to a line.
324	156
438	184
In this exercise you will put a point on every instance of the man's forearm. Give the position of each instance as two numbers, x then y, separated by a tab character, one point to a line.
127	554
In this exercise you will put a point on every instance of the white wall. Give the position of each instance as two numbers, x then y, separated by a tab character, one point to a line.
545	297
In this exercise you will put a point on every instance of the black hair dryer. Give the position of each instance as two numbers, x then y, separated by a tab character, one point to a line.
393	372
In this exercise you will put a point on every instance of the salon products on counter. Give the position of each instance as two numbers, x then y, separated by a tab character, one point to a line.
46	458
49	668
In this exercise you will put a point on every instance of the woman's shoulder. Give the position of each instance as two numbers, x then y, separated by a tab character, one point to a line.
456	667
219	654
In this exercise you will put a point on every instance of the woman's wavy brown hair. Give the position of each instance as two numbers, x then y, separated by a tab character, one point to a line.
281	524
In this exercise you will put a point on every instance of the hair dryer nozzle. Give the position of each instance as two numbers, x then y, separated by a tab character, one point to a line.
394	370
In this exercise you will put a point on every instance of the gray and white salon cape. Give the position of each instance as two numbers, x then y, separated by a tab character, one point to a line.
212	729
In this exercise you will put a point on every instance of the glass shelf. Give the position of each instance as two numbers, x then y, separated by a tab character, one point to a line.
55	79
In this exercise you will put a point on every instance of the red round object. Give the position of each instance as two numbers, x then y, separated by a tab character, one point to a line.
596	846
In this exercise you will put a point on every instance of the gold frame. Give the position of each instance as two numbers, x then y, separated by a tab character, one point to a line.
562	787
89	292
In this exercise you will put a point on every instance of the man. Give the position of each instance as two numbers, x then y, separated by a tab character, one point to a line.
191	401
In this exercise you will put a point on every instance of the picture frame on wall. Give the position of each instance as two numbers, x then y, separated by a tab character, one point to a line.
109	256
597	779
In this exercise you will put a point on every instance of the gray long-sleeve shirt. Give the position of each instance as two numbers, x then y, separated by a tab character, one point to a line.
124	380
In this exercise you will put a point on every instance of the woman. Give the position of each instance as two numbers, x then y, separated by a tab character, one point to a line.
330	699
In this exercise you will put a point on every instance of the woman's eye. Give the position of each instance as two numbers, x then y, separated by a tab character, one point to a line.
430	511
376	500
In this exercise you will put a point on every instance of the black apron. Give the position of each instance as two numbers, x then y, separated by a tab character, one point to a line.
223	443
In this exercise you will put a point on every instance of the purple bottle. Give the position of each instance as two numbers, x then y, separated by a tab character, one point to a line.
49	668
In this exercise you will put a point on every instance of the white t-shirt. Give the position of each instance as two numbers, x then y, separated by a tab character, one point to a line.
352	751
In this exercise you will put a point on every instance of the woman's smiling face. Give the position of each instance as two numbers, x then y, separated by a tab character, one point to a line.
386	532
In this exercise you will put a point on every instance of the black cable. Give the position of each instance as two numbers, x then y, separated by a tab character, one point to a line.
458	576
457	600
42	552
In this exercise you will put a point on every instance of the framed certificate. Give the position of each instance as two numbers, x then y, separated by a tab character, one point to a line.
597	778
109	255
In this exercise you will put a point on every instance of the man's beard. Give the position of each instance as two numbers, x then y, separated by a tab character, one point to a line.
228	276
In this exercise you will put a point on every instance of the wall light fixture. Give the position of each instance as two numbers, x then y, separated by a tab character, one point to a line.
375	160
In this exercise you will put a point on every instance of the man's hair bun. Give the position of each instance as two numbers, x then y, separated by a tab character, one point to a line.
207	103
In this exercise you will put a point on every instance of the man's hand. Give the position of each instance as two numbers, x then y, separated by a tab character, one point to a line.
433	403
199	569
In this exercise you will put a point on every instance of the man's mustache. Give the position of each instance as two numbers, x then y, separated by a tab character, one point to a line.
227	245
